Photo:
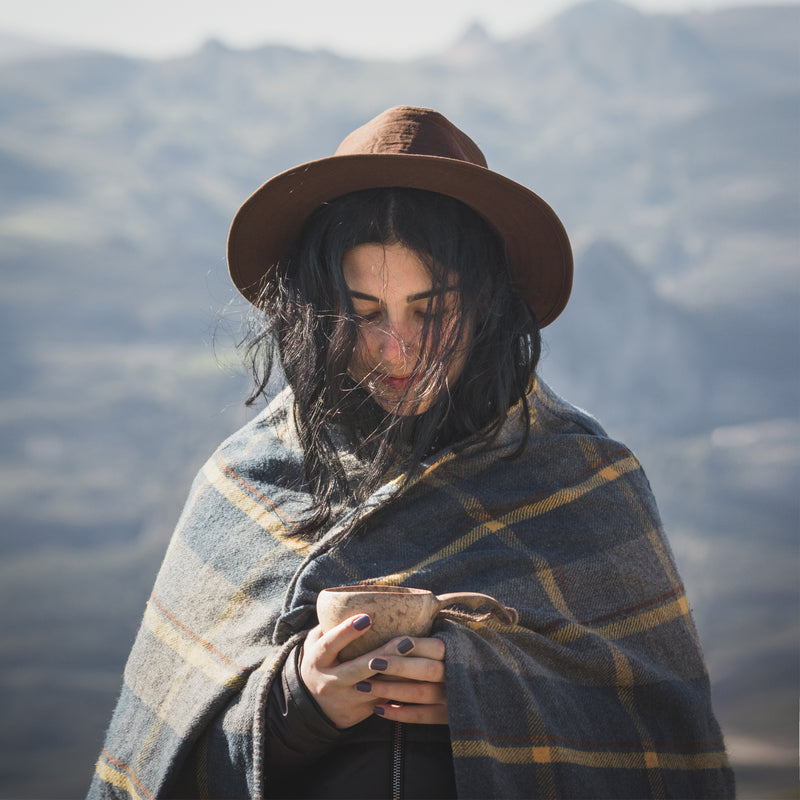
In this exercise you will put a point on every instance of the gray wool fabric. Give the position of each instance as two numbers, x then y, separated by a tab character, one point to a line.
599	691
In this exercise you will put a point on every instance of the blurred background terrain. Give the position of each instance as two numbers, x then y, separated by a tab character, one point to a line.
669	144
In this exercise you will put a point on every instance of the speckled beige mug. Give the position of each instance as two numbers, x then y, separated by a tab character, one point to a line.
398	611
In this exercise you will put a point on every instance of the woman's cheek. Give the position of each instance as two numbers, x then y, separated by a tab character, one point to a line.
363	351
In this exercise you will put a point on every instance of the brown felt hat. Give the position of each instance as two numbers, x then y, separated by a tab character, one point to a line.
413	148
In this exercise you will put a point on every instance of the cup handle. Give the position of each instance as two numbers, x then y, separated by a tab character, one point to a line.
474	600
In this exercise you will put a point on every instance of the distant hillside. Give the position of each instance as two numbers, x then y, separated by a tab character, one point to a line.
667	144
21	48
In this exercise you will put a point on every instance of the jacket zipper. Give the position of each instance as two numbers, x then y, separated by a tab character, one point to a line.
397	761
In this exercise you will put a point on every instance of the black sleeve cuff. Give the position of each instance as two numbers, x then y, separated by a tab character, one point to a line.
299	732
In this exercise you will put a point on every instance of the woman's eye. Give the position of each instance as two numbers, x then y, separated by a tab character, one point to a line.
374	316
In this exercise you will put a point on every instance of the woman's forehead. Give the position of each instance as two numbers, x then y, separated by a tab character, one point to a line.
386	269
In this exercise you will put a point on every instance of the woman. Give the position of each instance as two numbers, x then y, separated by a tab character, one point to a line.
402	286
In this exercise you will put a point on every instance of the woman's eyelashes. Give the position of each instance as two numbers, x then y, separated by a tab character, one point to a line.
420	315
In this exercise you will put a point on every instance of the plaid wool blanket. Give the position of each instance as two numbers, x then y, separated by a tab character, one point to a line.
599	691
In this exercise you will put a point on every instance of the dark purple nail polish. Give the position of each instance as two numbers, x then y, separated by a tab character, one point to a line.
378	664
362	622
378	710
364	686
405	646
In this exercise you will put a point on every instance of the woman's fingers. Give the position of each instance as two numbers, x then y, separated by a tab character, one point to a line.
410	668
418	647
409	675
417	692
343	698
412	659
406	673
330	644
412	682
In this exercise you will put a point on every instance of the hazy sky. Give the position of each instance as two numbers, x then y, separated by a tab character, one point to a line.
353	27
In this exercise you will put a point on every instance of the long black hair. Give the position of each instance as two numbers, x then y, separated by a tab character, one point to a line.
309	327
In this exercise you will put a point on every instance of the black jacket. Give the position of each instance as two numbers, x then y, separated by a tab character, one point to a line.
309	757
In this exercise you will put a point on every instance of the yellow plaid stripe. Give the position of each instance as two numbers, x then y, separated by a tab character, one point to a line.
263	513
487	527
637	623
121	779
572	631
192	651
644	620
625	693
549	754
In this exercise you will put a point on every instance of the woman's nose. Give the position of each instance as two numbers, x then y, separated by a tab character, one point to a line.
398	343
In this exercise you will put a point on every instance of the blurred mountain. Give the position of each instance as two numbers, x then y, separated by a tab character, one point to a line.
668	145
22	48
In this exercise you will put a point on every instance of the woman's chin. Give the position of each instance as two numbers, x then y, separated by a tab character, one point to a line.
407	407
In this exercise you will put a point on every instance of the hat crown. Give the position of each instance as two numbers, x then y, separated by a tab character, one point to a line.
406	130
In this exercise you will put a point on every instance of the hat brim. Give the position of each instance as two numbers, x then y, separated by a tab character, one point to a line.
272	217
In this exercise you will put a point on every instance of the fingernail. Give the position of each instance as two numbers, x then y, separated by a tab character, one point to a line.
378	664
362	622
364	686
378	710
405	646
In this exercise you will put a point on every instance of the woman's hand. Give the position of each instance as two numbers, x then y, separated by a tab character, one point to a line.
402	680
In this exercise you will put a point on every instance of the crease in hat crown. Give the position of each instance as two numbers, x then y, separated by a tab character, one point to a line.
407	130
405	147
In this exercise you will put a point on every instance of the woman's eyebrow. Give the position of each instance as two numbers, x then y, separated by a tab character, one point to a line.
412	298
363	296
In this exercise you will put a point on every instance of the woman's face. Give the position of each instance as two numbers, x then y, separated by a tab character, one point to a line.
392	294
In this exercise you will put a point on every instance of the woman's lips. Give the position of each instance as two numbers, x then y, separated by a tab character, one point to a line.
397	382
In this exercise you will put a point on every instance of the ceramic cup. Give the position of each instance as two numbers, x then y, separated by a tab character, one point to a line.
398	611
